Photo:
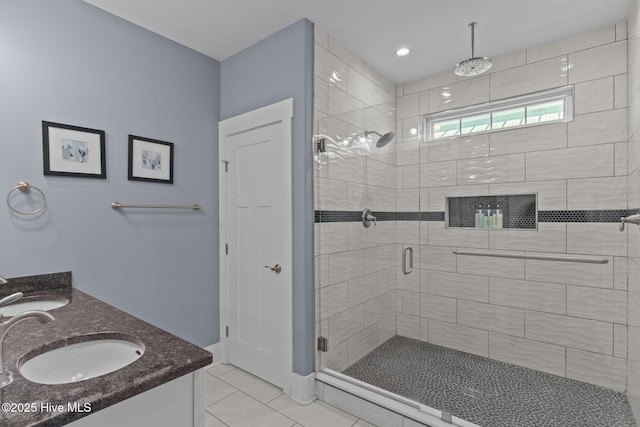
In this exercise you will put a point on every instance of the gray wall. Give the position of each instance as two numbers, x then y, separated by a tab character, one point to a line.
68	62
277	68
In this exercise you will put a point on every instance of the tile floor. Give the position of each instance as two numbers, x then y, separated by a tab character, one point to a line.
235	398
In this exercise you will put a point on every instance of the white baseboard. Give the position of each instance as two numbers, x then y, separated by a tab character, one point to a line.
303	388
214	349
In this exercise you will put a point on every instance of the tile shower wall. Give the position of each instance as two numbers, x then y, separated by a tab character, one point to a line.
564	318
355	266
633	351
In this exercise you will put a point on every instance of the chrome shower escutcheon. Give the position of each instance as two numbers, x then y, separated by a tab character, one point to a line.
368	218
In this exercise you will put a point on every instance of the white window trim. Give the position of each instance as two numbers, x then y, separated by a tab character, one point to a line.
565	92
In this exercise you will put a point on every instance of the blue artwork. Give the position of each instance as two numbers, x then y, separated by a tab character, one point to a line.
75	151
151	160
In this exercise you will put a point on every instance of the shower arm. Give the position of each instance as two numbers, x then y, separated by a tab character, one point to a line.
473	39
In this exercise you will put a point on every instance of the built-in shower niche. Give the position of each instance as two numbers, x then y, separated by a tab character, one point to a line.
513	211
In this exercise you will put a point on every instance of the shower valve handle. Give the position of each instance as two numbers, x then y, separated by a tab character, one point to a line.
632	219
368	218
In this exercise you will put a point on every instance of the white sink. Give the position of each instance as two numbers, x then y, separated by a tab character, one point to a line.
44	305
81	361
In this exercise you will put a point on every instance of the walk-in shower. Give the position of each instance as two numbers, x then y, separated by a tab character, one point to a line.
520	319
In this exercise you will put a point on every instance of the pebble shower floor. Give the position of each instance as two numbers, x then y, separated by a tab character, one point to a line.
487	392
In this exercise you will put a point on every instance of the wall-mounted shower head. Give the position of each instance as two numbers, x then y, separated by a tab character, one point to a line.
383	140
474	65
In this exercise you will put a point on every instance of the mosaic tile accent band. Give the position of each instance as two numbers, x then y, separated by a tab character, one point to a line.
543	216
487	392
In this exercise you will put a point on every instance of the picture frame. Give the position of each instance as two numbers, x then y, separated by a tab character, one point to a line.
150	160
73	151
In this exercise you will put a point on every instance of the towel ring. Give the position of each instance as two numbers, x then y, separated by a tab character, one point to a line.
24	187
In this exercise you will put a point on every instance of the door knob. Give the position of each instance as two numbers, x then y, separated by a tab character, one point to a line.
275	268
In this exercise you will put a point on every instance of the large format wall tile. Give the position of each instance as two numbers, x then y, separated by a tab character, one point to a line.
549	237
463	147
573	273
438	308
455	95
438	174
530	354
439	258
552	195
346	324
598	62
471	238
328	67
462	338
583	334
580	162
598	128
539	296
572	44
491	170
599	304
461	286
362	88
492	266
524	140
597	369
547	74
597	193
437	195
346	266
594	95
491	317
597	239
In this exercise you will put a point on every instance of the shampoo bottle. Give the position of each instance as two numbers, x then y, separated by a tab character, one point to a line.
488	218
498	217
479	217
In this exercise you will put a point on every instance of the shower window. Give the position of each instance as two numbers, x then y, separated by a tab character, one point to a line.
534	109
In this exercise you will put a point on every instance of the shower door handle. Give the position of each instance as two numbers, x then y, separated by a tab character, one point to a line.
406	270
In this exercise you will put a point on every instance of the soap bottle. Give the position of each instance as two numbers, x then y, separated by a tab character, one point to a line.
479	217
488	218
498	217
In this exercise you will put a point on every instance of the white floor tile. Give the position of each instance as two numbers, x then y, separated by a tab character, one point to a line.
215	390
220	369
253	386
211	421
234	397
317	414
240	410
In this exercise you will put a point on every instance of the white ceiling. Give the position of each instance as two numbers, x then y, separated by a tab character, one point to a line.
435	30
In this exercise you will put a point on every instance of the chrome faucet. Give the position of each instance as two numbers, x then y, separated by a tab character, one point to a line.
42	316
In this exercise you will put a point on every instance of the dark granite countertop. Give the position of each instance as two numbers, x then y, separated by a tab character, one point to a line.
166	356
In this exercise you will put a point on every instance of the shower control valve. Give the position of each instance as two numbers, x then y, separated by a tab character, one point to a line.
368	218
632	219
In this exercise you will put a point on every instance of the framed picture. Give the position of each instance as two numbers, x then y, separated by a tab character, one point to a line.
150	160
73	151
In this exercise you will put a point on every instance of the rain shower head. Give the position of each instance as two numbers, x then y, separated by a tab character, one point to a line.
474	65
383	140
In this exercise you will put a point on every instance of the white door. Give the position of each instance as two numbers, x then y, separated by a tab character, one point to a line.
257	208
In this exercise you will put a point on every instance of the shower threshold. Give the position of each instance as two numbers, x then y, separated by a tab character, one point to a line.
486	392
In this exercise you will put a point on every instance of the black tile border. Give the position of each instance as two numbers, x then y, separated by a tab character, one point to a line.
605	216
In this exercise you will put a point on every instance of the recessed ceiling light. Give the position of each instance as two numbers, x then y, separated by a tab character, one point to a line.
403	51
